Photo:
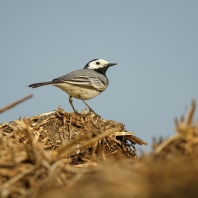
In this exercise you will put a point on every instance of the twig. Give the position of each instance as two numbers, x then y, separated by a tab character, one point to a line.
92	140
69	145
135	140
159	148
191	113
15	103
17	177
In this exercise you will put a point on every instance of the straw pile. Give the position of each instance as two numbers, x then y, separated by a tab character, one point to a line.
62	154
184	142
48	149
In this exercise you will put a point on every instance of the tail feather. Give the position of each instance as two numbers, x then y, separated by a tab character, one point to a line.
35	85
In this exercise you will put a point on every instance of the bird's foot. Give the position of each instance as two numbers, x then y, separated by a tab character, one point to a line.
90	109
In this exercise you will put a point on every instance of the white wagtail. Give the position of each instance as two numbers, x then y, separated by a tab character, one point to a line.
84	83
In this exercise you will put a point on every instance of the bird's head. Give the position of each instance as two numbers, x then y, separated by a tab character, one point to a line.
99	65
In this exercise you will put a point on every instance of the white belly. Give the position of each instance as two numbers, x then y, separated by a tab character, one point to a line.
74	91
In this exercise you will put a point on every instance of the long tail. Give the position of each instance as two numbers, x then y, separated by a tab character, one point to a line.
35	85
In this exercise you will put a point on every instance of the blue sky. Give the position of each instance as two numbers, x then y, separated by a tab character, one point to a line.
155	44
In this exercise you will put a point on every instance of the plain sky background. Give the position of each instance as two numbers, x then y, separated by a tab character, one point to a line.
155	44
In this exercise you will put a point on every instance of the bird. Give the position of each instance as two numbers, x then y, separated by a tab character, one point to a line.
83	84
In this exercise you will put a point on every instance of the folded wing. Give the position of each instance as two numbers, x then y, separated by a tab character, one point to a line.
91	82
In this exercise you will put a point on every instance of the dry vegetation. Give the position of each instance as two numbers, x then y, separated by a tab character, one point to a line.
60	154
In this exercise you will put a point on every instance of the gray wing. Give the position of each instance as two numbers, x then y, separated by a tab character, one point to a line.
84	78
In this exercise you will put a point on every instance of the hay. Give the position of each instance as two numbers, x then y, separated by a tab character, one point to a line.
185	141
49	149
60	154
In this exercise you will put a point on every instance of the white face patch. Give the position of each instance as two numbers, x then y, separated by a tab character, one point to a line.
99	63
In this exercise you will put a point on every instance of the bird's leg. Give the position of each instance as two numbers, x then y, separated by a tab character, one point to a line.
71	103
90	109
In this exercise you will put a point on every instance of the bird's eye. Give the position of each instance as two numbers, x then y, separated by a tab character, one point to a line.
97	63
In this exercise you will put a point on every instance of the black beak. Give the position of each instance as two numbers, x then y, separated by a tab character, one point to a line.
111	64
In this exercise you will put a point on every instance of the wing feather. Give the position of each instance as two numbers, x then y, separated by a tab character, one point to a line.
91	82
